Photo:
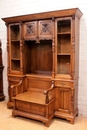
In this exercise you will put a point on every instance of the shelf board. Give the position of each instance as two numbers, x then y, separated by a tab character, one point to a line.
15	40
15	70
63	33
15	58
61	54
39	75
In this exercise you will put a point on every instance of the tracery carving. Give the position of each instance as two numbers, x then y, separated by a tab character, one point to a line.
46	28
30	29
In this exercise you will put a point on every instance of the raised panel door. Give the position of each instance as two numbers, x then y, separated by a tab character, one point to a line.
45	29
30	30
64	100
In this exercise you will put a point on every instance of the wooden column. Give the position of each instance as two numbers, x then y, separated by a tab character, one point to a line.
53	50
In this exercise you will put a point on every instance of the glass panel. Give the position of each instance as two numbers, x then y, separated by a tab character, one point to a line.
15	33
64	26
63	46
15	65
15	50
63	64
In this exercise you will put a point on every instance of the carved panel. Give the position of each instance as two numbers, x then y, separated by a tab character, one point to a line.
30	30
45	29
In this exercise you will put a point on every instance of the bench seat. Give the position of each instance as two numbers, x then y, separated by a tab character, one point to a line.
33	97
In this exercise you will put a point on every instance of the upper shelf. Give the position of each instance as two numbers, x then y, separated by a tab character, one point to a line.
44	15
62	33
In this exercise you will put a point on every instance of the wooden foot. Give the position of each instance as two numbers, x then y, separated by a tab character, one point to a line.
72	121
47	124
13	115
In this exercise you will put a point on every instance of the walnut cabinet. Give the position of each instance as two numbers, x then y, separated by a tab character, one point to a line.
42	48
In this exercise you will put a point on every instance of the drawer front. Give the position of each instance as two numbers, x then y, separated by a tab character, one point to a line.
63	83
13	78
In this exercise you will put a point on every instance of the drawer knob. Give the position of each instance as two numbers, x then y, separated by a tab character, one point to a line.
62	84
14	78
38	78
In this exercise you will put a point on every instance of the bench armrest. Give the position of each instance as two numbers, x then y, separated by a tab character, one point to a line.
15	89
48	94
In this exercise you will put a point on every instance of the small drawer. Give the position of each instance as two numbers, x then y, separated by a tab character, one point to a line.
14	78
63	83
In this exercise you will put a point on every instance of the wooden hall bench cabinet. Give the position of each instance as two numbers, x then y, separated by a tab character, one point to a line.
43	64
36	102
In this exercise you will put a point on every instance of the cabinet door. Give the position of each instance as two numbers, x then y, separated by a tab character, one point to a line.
63	43
30	30
64	100
45	29
14	49
38	30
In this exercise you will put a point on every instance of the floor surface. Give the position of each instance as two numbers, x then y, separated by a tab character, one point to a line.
20	123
